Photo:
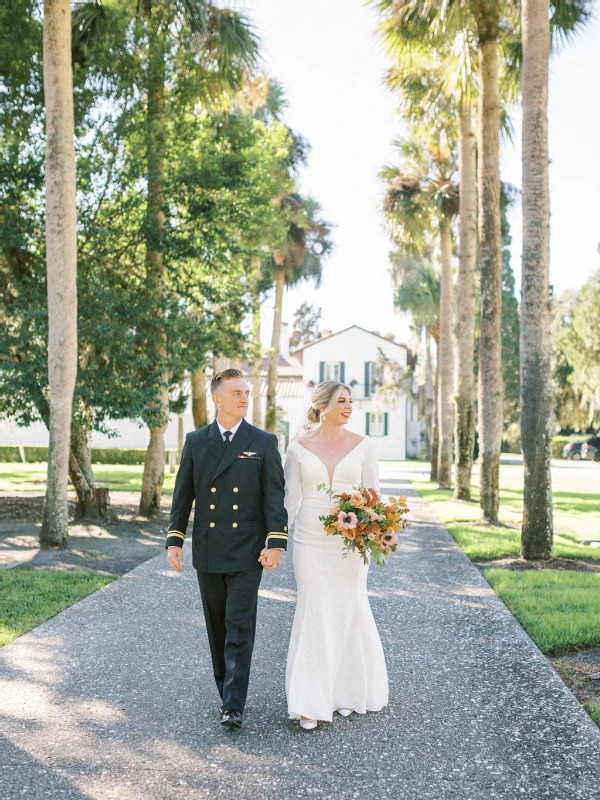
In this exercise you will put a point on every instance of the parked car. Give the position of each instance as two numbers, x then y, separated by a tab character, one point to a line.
572	451
590	450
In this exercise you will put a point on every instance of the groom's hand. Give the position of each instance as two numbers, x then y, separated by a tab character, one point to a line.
175	558
270	558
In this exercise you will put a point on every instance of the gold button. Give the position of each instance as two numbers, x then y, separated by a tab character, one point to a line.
235	489
212	508
213	489
234	525
212	524
235	508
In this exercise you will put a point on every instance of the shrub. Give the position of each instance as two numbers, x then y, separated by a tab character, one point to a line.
100	455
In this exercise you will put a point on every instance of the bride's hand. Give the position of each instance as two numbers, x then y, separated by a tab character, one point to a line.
270	558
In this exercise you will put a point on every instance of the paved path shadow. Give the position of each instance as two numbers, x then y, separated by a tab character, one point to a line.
114	700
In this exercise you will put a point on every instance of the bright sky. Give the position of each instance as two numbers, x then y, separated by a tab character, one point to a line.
329	61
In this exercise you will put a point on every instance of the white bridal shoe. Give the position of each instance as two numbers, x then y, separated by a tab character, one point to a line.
344	712
308	724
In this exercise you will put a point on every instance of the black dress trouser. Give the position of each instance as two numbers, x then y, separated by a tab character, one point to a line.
229	601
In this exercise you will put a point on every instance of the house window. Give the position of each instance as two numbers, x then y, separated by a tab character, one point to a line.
377	423
373	378
332	371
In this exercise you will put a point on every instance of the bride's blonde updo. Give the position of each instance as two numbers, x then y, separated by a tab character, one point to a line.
327	394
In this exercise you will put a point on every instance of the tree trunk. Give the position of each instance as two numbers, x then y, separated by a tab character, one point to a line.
435	431
199	409
429	402
180	430
154	462
445	373
61	259
154	469
536	386
83	489
80	470
81	451
490	257
256	377
271	413
464	436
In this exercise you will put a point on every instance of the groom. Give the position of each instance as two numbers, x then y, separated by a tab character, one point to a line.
233	473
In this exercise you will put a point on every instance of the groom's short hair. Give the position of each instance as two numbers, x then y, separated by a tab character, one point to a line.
225	375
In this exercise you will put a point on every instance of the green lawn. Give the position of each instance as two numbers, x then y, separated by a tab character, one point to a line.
577	519
560	610
29	597
593	710
119	478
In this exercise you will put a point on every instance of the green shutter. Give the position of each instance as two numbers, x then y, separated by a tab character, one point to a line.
385	424
321	371
342	372
368	423
367	381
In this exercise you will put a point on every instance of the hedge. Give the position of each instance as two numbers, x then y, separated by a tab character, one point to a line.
100	455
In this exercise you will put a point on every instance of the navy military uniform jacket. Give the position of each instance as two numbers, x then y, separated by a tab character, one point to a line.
238	491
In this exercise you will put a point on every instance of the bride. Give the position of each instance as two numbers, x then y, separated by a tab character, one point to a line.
335	660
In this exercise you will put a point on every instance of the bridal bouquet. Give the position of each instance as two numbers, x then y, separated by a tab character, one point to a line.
365	522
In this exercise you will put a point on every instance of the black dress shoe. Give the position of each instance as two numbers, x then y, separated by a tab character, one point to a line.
232	720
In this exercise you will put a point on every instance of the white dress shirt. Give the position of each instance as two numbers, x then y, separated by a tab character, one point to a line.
233	430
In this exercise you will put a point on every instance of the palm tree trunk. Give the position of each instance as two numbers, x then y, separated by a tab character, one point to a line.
61	258
490	256
445	358
536	387
429	402
435	431
199	409
271	413
154	462
464	435
256	378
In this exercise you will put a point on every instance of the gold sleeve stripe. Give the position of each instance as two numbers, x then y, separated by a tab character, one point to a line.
278	536
176	533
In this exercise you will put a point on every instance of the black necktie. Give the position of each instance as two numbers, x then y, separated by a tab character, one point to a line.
227	435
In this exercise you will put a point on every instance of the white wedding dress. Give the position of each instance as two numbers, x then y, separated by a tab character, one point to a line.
335	659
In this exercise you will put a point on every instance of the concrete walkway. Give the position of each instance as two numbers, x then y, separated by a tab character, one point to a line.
114	700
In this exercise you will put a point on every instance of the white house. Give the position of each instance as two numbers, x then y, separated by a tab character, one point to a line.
353	356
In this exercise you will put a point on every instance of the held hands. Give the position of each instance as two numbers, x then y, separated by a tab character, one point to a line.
175	558
270	558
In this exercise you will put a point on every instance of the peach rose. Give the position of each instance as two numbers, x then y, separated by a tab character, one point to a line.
356	499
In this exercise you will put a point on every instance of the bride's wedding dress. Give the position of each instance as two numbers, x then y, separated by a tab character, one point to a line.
335	659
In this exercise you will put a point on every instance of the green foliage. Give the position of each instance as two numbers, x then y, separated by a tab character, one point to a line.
224	169
559	609
30	597
576	356
10	454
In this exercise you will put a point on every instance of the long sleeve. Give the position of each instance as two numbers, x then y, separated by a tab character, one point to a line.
273	497
183	498
370	470
293	486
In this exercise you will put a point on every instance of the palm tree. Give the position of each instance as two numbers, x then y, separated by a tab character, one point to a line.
421	194
417	292
488	20
300	257
61	257
225	43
